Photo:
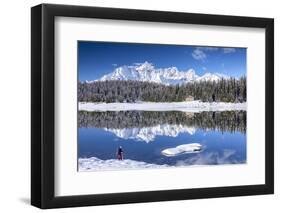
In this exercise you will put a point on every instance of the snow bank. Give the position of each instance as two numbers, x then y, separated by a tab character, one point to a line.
96	164
201	158
191	106
182	149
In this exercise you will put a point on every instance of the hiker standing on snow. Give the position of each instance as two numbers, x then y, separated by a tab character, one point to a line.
120	153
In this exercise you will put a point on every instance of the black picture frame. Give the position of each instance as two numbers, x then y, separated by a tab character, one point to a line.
43	110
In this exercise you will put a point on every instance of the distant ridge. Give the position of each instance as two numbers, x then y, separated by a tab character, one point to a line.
148	73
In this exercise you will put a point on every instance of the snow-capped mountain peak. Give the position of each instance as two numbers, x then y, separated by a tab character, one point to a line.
146	66
168	76
211	77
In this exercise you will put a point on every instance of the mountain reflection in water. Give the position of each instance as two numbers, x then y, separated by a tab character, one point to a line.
230	121
144	135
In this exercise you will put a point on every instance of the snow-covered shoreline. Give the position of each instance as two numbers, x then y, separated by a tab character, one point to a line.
96	164
191	106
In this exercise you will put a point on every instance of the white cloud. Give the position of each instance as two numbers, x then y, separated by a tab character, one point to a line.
198	54
208	48
229	50
115	65
211	158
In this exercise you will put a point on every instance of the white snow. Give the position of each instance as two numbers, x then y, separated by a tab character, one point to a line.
211	77
191	106
182	149
168	76
148	134
96	164
201	158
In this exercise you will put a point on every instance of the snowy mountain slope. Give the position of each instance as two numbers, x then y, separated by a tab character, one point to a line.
168	76
212	77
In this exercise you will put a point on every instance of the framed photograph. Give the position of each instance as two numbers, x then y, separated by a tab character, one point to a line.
140	106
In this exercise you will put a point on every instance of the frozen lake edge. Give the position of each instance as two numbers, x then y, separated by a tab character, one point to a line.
191	106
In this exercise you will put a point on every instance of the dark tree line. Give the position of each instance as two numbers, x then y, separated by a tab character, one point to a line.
231	121
225	90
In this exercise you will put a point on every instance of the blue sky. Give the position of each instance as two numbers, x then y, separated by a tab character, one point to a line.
96	59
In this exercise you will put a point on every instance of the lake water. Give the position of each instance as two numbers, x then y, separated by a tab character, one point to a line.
144	135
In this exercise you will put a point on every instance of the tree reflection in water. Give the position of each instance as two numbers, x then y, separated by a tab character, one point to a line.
230	121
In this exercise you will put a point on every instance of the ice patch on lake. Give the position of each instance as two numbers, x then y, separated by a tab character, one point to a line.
96	164
191	106
182	149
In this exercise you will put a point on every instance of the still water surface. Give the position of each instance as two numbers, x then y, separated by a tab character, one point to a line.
144	135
